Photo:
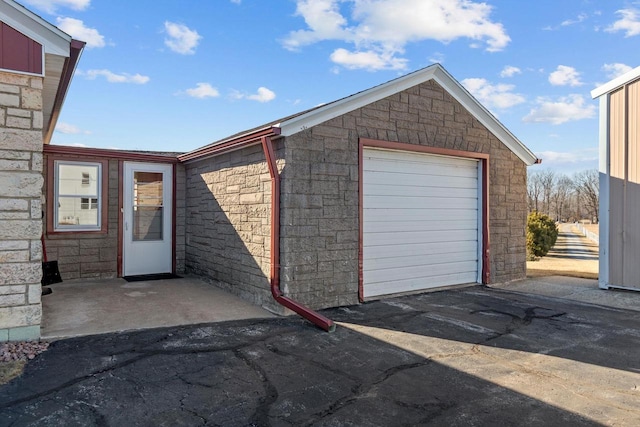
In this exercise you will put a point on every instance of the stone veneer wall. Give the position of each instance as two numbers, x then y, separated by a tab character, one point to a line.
320	206
228	223
21	161
87	255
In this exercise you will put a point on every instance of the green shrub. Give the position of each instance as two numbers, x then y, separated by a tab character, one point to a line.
542	233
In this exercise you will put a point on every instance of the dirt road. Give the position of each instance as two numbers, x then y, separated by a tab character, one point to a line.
573	255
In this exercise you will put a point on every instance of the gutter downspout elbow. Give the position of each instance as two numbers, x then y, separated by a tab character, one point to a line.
314	317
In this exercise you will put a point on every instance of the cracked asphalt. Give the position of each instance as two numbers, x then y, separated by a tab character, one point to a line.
473	356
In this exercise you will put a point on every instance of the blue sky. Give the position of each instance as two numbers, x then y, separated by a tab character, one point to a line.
176	75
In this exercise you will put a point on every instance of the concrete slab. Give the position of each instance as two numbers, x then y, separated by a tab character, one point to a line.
80	307
576	289
467	357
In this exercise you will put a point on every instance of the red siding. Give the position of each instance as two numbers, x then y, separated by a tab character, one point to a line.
18	52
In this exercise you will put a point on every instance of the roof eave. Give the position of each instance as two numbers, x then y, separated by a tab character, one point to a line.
230	144
435	72
75	47
616	83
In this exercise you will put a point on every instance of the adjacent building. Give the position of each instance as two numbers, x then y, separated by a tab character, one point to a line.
620	181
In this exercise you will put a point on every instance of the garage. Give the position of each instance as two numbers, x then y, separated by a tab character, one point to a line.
422	221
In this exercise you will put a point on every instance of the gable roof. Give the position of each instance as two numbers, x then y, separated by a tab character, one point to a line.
61	55
616	83
297	122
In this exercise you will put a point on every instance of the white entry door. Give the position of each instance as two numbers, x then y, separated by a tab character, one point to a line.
147	217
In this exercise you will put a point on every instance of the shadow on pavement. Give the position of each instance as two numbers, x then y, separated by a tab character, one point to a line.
468	357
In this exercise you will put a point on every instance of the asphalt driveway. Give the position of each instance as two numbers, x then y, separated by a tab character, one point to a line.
474	356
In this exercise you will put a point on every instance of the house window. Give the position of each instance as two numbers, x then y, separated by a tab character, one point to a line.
77	196
88	203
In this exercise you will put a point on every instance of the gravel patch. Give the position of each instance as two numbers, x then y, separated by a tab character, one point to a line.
21	351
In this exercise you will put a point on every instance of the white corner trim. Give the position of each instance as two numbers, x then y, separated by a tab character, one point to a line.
616	83
435	72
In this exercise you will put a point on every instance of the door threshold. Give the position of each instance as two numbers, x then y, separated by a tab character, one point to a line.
148	277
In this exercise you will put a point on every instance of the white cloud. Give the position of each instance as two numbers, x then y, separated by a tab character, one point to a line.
262	95
181	39
629	22
578	156
368	60
437	58
115	78
510	71
50	6
615	70
70	129
565	109
581	17
203	90
381	29
493	96
565	76
76	29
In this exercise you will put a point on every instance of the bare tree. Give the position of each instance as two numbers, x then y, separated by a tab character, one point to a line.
561	196
547	181
534	190
587	186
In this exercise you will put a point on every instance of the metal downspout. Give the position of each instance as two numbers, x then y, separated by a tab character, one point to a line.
314	317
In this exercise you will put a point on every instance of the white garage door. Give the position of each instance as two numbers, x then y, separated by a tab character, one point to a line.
420	221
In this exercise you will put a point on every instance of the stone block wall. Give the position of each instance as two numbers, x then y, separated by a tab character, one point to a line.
228	223
21	180
87	255
320	206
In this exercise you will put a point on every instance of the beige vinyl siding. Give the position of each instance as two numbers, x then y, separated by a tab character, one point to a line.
633	108
624	186
631	236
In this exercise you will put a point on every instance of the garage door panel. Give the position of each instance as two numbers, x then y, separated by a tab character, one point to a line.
420	221
398	215
395	262
445	238
410	180
392	191
382	159
372	253
375	202
416	170
417	284
401	226
424	271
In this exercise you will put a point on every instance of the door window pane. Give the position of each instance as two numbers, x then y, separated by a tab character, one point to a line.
148	209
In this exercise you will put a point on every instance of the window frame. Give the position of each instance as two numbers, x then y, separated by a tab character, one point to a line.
53	226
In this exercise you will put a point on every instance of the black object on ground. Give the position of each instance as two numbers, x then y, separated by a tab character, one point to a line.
50	272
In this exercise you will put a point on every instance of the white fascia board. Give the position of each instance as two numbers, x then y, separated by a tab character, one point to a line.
483	115
353	102
435	72
52	39
616	83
